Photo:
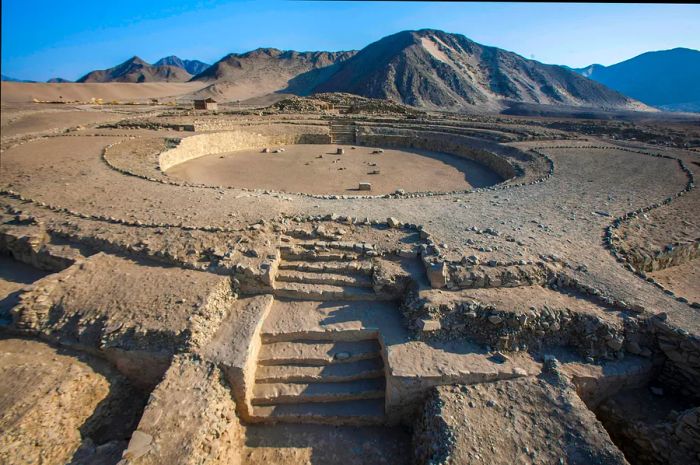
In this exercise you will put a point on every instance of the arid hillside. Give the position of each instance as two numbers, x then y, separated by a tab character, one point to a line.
435	69
137	70
267	70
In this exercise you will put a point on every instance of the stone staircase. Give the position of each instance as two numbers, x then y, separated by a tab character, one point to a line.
325	271
343	133
338	380
312	368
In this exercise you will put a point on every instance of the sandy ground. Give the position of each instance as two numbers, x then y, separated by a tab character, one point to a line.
25	92
45	117
332	445
317	169
683	279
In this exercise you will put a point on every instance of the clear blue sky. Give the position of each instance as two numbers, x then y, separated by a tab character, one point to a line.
43	39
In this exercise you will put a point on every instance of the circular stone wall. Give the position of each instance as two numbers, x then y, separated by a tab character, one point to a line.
318	169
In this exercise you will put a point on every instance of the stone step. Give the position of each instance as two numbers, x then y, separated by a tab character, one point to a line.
319	353
314	256
344	335
360	266
356	413
330	245
316	292
306	277
299	393
334	373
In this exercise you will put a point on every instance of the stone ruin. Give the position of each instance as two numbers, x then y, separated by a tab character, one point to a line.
163	322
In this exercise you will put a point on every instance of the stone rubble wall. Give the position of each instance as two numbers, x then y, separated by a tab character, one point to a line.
399	127
148	124
505	275
218	124
432	436
681	372
501	329
38	308
445	143
30	244
189	420
597	383
673	441
672	256
444	123
634	260
200	145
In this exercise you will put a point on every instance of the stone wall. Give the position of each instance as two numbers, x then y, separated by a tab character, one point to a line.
671	256
30	244
674	440
445	143
256	123
190	419
432	436
200	145
503	329
681	371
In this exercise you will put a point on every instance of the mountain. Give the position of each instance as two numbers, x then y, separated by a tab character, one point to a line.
267	70
191	66
58	80
435	69
136	70
668	79
10	79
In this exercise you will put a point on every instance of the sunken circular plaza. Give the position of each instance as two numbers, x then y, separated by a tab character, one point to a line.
320	169
343	159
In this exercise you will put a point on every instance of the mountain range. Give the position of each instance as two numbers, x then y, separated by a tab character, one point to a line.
11	79
268	70
668	79
191	66
431	69
425	68
136	70
435	69
52	80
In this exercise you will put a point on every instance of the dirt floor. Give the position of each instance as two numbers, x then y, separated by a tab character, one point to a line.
332	445
682	279
13	92
317	169
36	122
